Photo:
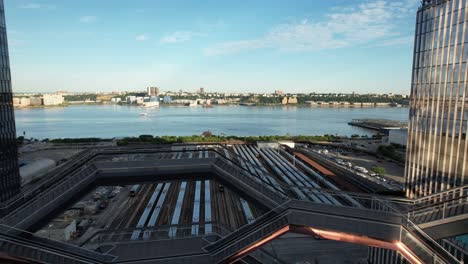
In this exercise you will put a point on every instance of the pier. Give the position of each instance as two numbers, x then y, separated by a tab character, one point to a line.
381	125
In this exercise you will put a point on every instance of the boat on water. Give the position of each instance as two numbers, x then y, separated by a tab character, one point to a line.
143	114
395	105
150	104
191	103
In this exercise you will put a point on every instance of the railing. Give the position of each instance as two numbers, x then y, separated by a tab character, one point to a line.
421	244
411	232
412	236
41	192
44	244
237	160
251	238
252	182
441	196
441	210
83	177
247	235
265	257
47	181
156	233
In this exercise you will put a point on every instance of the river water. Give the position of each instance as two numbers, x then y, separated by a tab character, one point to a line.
109	121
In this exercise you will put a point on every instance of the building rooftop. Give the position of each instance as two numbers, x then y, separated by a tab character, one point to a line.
428	3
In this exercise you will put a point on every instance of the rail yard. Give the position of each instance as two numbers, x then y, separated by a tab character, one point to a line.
158	210
197	206
211	202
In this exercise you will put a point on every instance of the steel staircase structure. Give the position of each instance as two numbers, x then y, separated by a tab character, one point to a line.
442	215
376	222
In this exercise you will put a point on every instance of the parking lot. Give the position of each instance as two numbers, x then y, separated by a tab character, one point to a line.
363	163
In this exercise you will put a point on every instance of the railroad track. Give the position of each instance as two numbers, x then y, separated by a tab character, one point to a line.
176	213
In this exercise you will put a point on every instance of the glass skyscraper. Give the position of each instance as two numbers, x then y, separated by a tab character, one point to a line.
437	150
9	175
437	153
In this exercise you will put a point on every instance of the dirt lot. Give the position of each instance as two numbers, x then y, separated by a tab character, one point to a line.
53	154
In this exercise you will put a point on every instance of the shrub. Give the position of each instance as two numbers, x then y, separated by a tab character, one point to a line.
379	170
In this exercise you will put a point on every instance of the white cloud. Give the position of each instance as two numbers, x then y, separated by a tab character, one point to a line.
369	22
15	42
396	41
30	6
143	37
36	6
236	46
179	36
88	19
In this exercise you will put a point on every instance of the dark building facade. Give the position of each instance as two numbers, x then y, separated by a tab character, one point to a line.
9	175
437	150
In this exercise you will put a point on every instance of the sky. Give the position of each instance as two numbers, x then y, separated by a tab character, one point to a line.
298	46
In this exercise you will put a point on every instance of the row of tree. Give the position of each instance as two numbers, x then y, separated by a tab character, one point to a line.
208	137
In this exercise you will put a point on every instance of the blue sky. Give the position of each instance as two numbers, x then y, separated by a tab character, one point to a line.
230	45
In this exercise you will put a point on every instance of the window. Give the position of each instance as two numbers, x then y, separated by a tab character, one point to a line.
465	53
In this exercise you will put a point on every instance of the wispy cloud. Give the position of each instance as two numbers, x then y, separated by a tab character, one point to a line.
179	36
30	6
369	22
88	19
143	37
16	42
36	6
395	41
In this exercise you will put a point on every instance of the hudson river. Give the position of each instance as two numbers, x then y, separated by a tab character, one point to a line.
107	121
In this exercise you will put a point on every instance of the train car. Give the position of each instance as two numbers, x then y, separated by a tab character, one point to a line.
134	190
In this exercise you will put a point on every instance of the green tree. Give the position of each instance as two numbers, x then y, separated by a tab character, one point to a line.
378	170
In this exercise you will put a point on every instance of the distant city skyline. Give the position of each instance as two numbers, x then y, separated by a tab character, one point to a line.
311	46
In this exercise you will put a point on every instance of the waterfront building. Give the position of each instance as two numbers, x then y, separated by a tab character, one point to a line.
24	101
35	101
437	149
140	100
9	174
52	99
284	100
131	99
152	91
167	99
292	100
152	101
278	92
21	101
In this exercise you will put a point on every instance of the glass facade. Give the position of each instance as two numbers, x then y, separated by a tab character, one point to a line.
437	148
9	175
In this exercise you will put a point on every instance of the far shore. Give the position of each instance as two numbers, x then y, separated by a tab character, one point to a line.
214	105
